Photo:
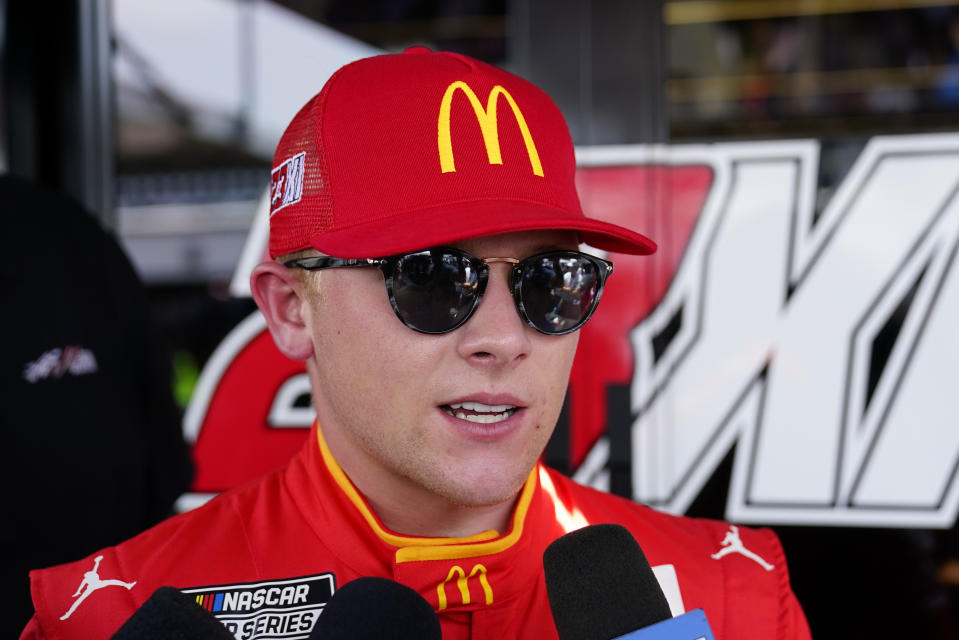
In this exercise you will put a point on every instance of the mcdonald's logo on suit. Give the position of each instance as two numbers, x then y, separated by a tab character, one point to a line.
462	584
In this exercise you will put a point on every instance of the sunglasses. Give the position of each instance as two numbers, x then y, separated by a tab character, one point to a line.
437	290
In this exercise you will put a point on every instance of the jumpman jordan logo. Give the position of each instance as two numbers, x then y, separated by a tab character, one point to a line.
732	544
90	583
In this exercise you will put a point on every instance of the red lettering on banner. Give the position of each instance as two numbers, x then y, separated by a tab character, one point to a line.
235	443
664	203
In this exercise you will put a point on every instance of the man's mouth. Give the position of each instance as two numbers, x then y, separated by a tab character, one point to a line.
479	412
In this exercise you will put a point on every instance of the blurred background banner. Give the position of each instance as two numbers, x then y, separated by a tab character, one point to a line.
788	358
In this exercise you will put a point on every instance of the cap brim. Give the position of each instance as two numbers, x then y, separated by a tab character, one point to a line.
413	230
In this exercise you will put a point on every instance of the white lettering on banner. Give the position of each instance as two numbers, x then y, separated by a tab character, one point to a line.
288	410
771	336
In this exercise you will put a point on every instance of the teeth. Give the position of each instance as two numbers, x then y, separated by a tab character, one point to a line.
488	418
480	413
482	408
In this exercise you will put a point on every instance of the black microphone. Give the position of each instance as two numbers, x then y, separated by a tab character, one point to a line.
601	587
377	609
171	614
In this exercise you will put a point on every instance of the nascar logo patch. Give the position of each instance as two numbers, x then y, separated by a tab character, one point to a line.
286	182
286	609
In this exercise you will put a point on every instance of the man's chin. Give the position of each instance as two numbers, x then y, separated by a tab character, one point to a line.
483	496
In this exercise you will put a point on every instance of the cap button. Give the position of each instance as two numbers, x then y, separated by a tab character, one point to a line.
417	49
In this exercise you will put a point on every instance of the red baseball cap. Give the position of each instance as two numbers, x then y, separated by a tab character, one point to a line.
407	151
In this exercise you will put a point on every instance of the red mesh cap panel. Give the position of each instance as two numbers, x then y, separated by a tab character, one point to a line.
300	202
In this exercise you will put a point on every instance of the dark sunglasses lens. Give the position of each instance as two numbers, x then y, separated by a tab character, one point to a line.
559	291
435	291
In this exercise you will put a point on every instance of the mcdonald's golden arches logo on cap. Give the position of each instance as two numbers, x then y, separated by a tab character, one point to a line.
462	583
488	127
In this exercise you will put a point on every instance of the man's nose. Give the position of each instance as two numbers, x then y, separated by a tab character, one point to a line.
495	335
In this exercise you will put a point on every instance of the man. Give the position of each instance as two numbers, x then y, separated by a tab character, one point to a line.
425	229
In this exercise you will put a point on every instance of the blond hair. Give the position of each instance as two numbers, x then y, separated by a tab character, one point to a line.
303	276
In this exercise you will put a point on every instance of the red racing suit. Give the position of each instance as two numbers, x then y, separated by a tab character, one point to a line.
265	557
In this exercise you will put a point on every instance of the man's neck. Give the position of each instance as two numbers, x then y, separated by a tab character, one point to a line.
441	519
409	509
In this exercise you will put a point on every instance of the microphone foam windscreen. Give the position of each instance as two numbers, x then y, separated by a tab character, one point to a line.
170	614
377	609
600	585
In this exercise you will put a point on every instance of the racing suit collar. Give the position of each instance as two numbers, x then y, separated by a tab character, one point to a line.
451	573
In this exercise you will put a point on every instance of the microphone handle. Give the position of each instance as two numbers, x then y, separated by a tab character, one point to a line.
689	626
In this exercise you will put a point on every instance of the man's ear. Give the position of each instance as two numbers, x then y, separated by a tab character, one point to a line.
281	298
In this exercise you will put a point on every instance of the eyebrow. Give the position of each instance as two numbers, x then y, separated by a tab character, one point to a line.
537	248
540	248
